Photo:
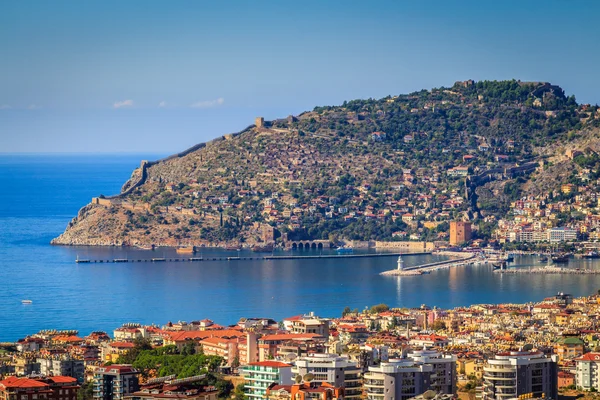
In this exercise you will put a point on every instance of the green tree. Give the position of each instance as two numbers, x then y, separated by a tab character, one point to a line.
86	392
438	325
239	393
379	308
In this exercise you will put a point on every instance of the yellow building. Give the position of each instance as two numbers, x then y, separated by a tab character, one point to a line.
568	347
567	188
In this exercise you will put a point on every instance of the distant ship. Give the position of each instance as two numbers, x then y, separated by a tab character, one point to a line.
186	250
560	257
499	265
591	254
26	301
344	250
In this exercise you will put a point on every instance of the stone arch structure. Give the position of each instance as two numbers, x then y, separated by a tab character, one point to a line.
308	244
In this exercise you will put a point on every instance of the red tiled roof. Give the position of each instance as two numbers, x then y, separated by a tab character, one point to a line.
274	364
294	318
123	368
200	335
216	340
290	336
62	379
67	338
564	374
14	382
592	356
122	345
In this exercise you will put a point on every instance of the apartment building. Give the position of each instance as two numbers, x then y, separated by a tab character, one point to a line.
512	374
587	374
222	347
52	388
62	365
260	375
402	379
333	369
114	382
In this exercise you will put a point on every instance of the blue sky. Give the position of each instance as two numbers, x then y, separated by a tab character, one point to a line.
150	76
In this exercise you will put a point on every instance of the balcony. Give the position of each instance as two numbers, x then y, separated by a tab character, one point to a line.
357	379
503	377
498	369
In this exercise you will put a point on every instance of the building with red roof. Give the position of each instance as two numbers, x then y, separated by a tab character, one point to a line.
114	382
53	388
588	370
172	388
181	338
268	345
305	391
222	347
259	375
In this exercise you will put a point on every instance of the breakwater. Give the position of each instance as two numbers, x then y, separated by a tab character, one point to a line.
244	258
458	259
548	270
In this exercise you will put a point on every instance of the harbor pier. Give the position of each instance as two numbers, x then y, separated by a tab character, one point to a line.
244	258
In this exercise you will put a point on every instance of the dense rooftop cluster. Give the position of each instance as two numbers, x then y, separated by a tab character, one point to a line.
266	357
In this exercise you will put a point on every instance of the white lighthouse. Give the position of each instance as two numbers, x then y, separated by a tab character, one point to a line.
400	263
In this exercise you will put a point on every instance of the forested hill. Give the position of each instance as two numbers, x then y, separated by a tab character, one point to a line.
388	169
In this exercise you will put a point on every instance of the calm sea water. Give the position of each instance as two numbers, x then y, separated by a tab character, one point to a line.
40	194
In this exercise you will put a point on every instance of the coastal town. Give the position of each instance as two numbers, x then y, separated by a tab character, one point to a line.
399	168
316	200
546	349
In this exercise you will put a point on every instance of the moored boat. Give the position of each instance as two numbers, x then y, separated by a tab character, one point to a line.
560	257
344	250
591	254
186	250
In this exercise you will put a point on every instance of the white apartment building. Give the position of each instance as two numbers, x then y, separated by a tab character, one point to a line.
512	374
333	369
259	375
588	371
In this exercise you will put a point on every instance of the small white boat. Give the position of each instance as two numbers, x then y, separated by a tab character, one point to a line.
344	250
26	301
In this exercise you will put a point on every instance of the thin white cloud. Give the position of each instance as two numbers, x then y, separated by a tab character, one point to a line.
33	107
208	103
5	107
124	103
162	104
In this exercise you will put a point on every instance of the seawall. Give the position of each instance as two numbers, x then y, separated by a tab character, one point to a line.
457	259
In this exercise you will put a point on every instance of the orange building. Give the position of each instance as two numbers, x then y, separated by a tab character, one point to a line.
305	391
565	379
460	232
51	388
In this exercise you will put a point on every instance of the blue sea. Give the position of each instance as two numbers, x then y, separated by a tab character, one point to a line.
41	193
